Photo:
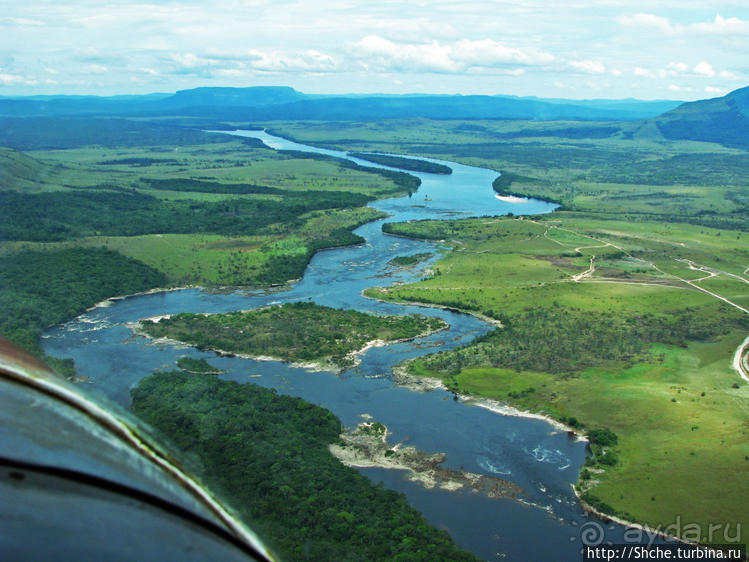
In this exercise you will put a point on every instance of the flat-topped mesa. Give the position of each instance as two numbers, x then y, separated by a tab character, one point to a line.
366	446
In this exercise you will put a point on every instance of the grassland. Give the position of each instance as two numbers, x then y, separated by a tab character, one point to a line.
202	258
278	255
605	325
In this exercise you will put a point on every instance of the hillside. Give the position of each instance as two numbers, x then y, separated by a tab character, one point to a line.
19	170
723	120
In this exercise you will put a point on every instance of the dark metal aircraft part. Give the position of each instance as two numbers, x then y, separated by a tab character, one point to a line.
81	479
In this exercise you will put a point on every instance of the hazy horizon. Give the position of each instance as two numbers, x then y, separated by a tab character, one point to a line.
605	49
344	94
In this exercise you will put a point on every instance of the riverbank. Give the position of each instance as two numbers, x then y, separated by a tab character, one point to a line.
427	384
369	294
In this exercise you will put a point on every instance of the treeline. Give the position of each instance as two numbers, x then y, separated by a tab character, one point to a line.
199	366
588	132
737	219
268	454
567	341
300	331
403	180
61	215
39	289
410	164
534	155
40	133
682	169
141	162
202	186
423	229
283	267
503	183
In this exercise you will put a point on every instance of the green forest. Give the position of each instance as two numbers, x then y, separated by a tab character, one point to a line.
301	331
268	454
567	341
39	289
58	215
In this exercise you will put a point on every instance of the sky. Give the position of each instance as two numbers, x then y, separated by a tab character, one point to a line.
670	49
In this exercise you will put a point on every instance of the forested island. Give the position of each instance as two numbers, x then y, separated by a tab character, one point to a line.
410	164
268	455
302	332
410	260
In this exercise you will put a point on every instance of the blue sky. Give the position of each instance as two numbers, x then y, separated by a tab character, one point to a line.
580	49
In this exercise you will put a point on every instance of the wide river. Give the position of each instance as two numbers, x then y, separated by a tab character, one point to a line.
543	461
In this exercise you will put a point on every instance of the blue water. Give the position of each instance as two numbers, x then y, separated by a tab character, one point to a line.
541	460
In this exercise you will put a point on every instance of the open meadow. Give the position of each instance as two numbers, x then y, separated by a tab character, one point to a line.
607	324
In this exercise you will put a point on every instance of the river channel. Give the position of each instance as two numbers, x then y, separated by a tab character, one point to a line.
547	525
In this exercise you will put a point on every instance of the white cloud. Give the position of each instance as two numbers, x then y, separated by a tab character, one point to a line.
722	26
499	46
712	90
232	73
728	75
21	22
190	60
704	68
682	70
487	52
384	54
15	79
646	21
95	69
305	61
588	66
375	52
678	67
719	26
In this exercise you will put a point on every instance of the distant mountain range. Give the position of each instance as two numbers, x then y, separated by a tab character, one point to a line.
723	120
269	103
